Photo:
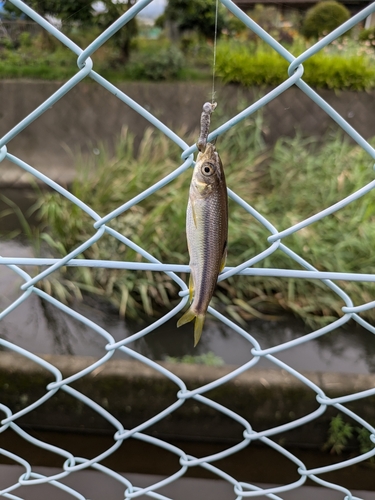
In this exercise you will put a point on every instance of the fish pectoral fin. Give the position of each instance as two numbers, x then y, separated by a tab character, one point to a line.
198	326
193	213
188	316
191	287
223	258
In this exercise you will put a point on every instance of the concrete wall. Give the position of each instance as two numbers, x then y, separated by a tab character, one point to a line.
88	114
133	393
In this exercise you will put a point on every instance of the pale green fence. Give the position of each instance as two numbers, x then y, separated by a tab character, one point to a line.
275	242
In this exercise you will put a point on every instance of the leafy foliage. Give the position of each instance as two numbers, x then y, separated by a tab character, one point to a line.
365	443
164	64
345	64
80	10
33	59
48	59
354	72
323	18
367	34
235	63
338	435
124	37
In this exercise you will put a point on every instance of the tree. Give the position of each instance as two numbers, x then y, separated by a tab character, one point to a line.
76	10
81	11
123	38
196	15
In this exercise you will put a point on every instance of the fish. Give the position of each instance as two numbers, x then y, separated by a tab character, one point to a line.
207	234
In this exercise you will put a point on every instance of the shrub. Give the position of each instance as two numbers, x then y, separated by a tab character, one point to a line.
241	65
367	35
324	18
237	63
25	40
162	65
337	72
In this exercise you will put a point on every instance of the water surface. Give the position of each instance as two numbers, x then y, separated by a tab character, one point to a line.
40	327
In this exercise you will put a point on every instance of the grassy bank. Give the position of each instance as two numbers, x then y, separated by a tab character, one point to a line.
294	180
43	57
345	64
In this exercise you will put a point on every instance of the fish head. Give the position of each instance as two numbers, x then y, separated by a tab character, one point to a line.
208	171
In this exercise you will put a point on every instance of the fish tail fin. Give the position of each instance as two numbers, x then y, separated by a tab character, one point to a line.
198	326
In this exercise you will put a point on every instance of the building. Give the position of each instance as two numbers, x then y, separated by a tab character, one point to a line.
353	5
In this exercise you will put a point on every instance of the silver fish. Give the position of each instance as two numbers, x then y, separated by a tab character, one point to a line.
207	234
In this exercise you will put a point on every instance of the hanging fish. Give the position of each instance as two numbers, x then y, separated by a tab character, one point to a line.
206	230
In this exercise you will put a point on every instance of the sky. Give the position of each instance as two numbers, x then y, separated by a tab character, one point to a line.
152	11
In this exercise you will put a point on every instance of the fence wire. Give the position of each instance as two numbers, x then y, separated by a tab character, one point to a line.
275	242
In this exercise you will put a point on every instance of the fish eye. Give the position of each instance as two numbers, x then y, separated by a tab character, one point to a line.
207	169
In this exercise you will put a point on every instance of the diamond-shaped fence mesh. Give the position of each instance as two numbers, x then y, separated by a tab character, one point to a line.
274	243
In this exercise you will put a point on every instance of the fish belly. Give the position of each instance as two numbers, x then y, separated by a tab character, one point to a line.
206	238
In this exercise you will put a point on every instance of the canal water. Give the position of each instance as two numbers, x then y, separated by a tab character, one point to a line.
40	327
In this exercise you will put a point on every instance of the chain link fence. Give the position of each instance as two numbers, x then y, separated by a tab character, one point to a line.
72	464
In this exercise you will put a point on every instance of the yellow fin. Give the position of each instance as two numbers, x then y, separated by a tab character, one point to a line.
223	260
188	316
198	327
191	287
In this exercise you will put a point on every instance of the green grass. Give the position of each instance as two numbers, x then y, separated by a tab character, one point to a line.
40	71
294	180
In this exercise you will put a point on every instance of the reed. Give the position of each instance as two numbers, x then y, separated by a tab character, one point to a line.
294	180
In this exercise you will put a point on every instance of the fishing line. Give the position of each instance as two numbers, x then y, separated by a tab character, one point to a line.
214	62
88	5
